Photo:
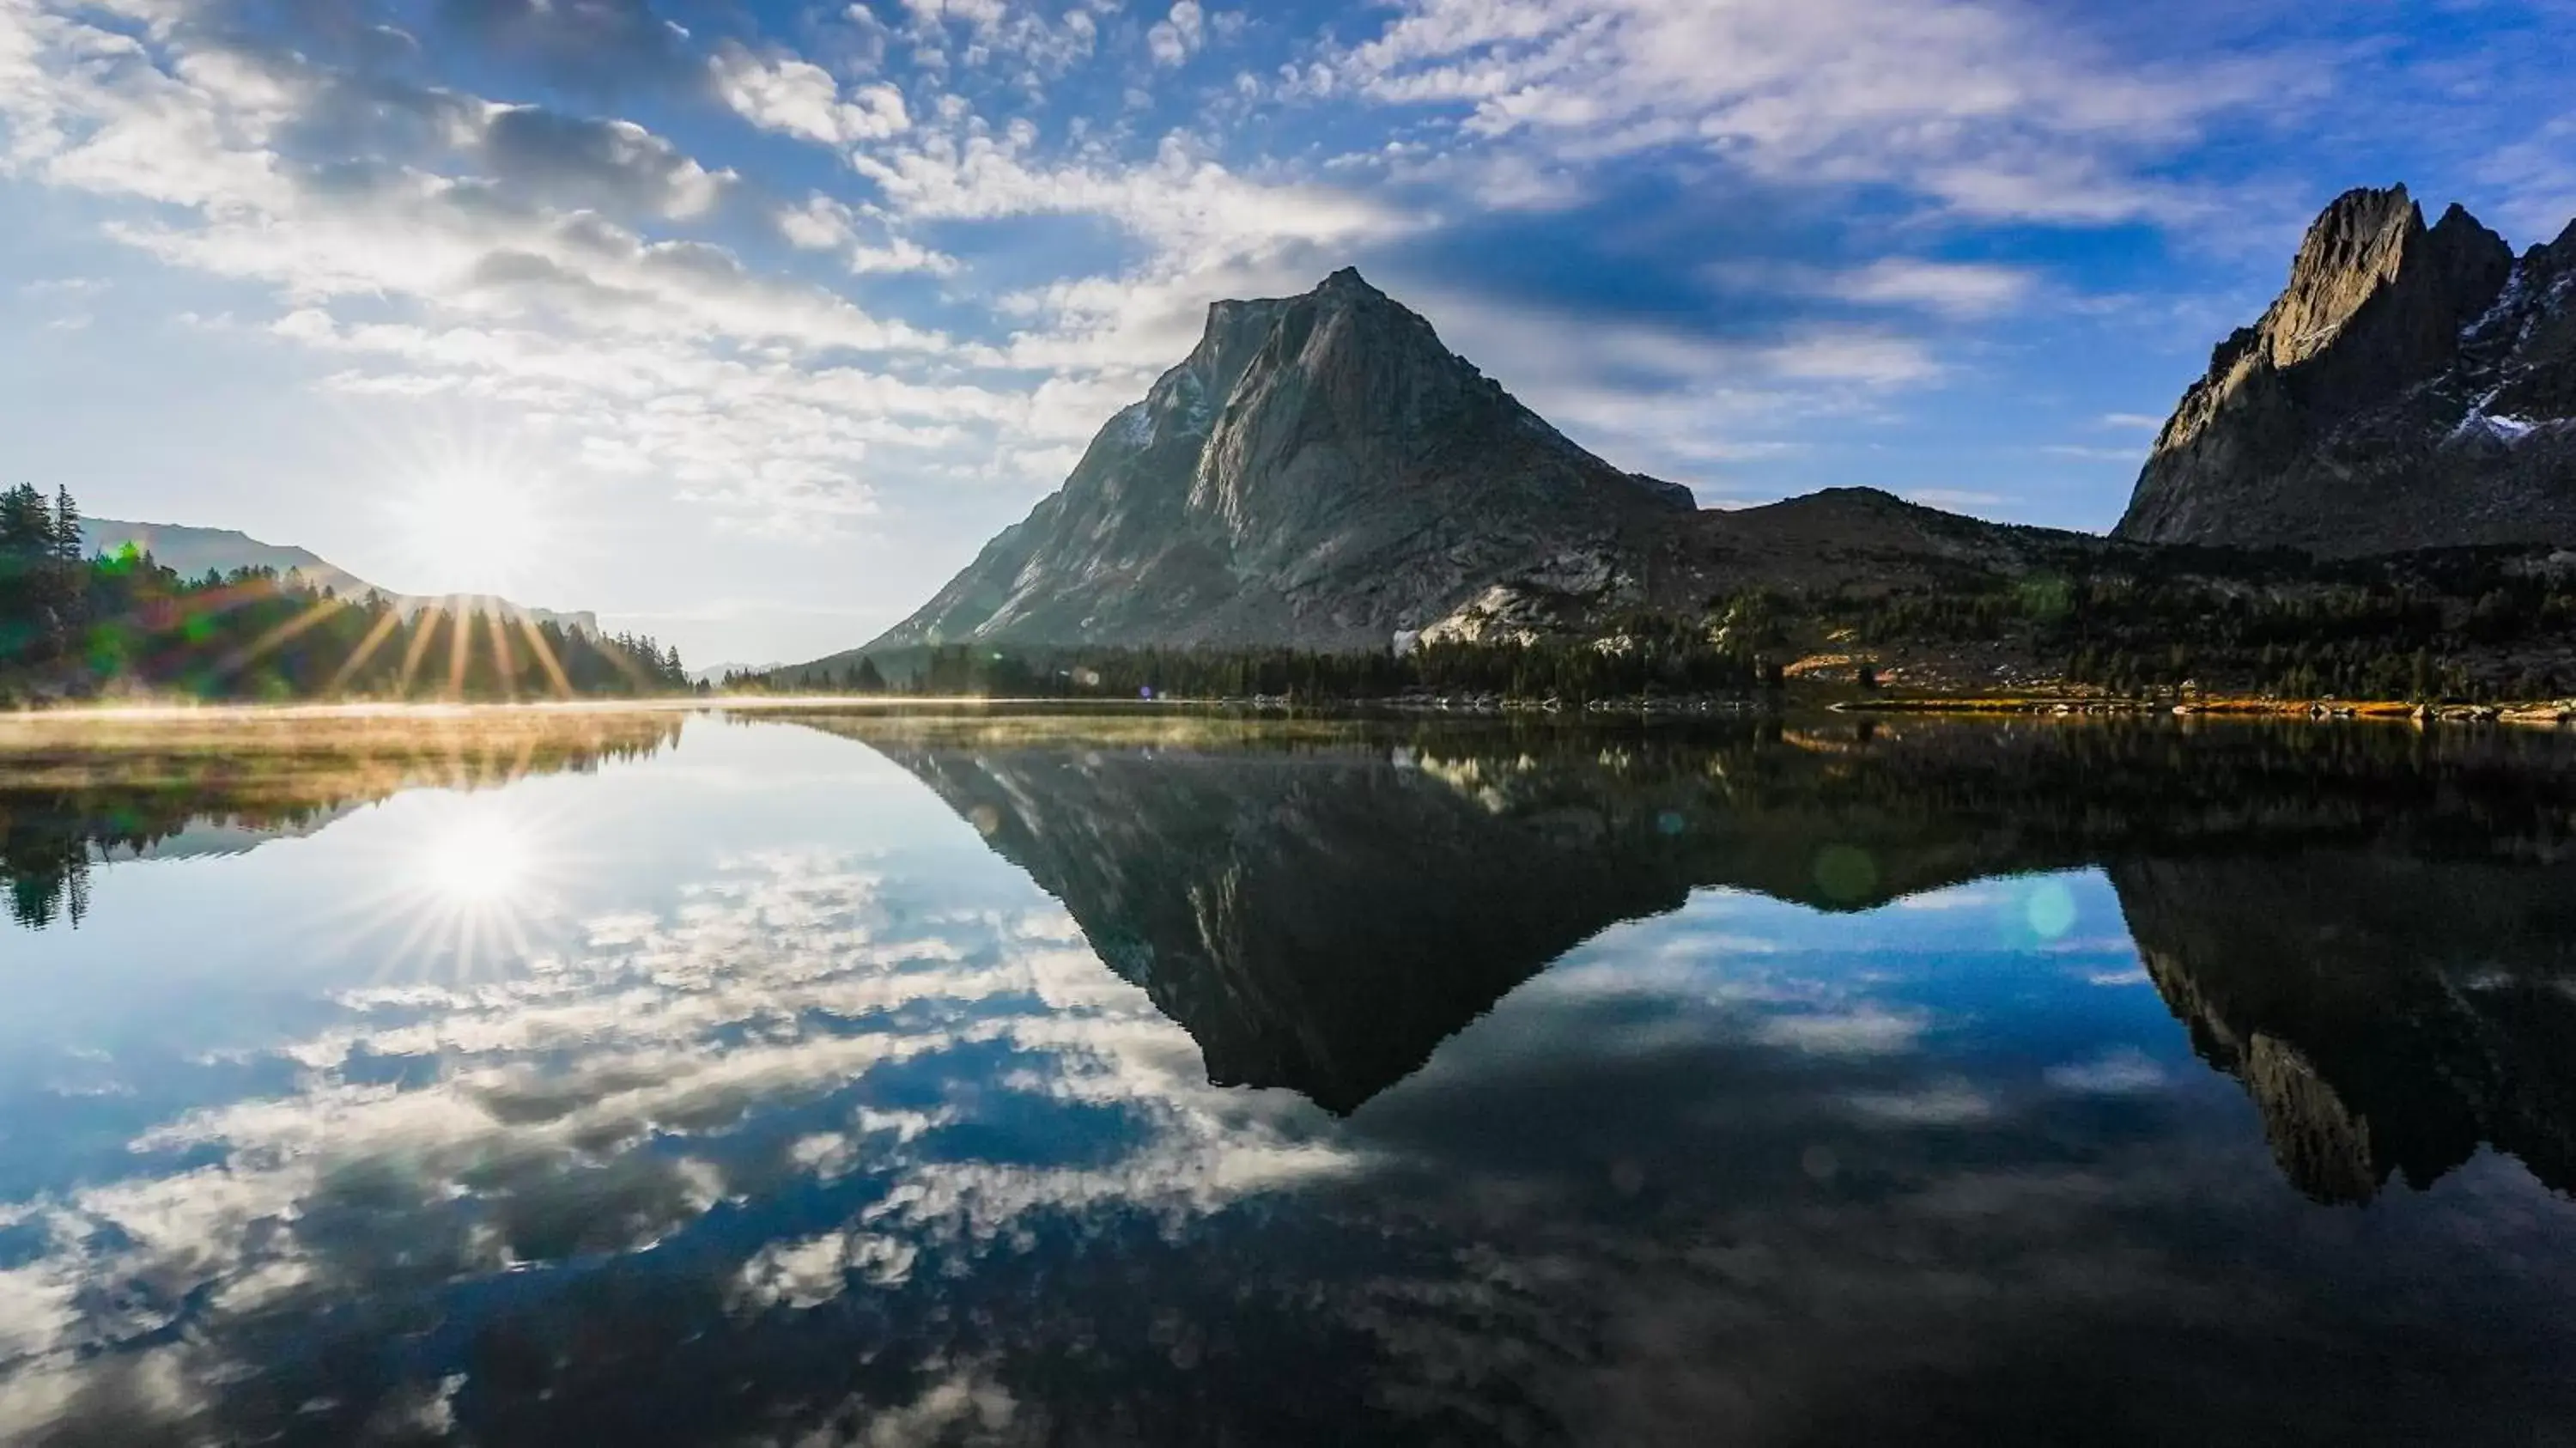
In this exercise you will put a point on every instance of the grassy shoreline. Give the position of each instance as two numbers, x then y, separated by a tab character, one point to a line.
2550	713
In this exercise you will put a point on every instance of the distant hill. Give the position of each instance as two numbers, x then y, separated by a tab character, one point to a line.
192	552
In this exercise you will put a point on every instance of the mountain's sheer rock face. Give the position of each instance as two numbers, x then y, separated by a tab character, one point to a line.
2414	387
1321	470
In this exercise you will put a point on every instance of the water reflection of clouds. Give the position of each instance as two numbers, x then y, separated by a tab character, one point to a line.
1705	1228
909	1150
605	1100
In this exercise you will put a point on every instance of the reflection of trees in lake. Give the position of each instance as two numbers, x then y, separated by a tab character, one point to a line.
2370	927
74	792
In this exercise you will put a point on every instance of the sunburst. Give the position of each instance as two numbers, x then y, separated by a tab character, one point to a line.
472	884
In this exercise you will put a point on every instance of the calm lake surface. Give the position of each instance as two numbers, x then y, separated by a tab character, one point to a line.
838	1079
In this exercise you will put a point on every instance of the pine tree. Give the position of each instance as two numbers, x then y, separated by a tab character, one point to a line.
26	524
67	528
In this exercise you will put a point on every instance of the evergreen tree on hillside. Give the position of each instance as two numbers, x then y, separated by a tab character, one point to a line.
26	524
67	527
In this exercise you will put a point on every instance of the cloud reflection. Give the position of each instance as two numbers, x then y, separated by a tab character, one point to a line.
603	1102
865	1142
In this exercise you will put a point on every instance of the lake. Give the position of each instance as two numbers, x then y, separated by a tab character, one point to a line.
809	1078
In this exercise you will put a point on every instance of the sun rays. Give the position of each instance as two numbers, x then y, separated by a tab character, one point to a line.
468	887
475	629
466	880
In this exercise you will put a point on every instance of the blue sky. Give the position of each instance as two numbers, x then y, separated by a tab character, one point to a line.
767	314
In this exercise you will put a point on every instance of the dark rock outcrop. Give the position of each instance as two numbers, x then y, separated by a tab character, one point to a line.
2413	387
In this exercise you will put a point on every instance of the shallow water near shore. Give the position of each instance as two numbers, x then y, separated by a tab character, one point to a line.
844	1077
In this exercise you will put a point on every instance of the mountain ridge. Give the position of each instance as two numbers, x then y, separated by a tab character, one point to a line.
1321	472
192	551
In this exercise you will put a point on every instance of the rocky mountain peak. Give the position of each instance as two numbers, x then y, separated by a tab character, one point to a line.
2353	250
1321	469
2348	417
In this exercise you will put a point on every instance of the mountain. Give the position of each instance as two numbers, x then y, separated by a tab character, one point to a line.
192	552
1321	472
1319	469
2413	387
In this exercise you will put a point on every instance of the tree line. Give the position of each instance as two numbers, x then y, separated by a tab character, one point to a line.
74	626
2459	624
2454	624
1641	655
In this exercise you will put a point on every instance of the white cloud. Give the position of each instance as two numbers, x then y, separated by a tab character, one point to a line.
1987	108
1181	201
617	166
509	277
2123	1072
821	224
1864	1030
1670	401
1953	498
2538	176
782	93
581	1073
1954	288
1838	354
1944	1103
902	254
1179	35
1208	232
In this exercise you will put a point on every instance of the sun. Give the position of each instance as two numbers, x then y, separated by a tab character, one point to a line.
471	531
479	858
469	884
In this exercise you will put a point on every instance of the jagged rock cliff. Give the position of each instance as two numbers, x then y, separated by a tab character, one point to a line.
1320	470
2413	387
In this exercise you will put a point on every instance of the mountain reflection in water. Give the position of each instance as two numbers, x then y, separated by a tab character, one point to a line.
2374	931
1644	1085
